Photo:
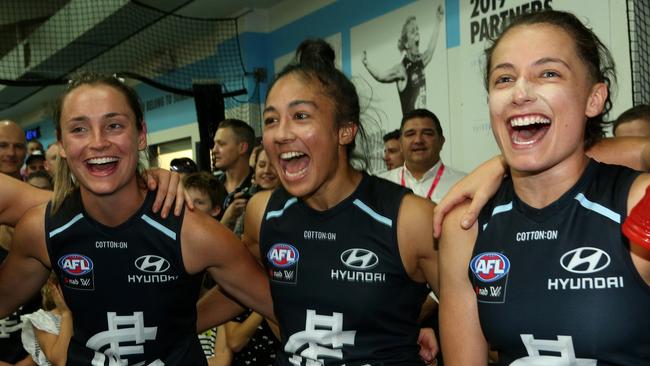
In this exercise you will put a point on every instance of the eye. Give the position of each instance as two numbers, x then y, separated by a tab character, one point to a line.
269	120
300	115
550	74
503	79
114	126
77	129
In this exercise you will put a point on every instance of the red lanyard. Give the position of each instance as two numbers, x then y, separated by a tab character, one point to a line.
436	180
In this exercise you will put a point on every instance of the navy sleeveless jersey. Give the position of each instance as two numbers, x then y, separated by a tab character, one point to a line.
340	291
557	286
127	286
414	94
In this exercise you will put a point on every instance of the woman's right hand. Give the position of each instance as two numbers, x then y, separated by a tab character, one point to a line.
57	296
479	186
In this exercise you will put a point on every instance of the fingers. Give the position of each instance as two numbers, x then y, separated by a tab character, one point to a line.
150	180
443	208
181	197
471	215
170	195
188	199
160	180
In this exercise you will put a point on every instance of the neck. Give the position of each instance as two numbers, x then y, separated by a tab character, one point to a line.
540	189
236	174
102	208
335	189
419	169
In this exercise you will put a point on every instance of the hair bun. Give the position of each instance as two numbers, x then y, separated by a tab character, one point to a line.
315	52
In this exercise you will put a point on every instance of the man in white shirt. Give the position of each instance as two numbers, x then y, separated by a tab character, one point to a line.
421	139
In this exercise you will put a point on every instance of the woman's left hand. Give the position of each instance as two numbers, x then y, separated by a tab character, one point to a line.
428	346
170	190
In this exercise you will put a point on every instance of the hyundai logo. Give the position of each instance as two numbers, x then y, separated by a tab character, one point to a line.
357	258
585	260
152	264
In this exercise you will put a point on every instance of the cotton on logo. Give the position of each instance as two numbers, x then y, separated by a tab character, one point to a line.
75	264
152	264
283	255
585	260
489	267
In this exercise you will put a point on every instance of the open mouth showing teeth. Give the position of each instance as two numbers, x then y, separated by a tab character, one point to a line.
294	163
529	129
101	164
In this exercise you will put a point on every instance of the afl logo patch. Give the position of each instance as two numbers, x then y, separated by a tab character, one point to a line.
283	255
490	266
75	264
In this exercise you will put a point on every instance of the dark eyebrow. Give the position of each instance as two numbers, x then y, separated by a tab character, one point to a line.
546	60
115	114
293	103
541	61
107	115
300	101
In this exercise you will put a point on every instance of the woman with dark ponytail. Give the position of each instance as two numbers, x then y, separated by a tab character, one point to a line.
348	254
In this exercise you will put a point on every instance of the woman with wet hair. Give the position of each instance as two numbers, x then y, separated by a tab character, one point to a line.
546	276
348	254
130	278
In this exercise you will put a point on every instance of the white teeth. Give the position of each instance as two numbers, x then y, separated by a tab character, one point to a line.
290	155
529	120
296	174
103	160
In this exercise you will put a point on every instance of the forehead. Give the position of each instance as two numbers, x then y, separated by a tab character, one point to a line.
11	133
262	156
195	192
224	134
96	99
392	143
419	123
525	44
293	87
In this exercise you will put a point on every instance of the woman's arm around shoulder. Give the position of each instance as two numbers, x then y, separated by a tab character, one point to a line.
640	251
27	267
253	218
463	342
17	197
415	239
632	152
206	244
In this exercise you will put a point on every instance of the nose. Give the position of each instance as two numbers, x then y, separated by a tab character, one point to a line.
284	132
523	92
98	140
386	155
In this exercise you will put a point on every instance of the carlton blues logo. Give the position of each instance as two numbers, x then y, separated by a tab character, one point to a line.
490	278
283	263
77	272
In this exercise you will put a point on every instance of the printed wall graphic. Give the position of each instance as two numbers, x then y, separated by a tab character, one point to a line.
399	63
480	20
